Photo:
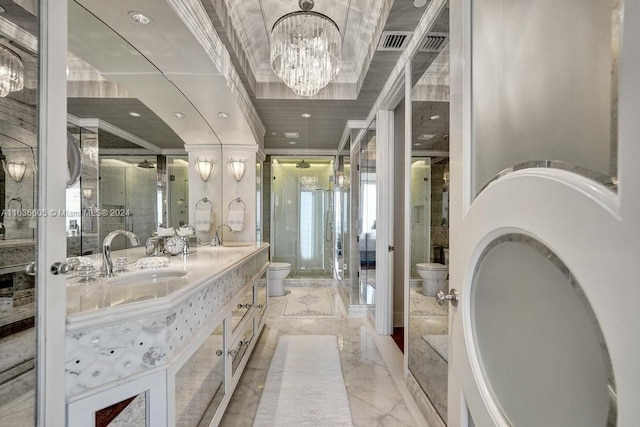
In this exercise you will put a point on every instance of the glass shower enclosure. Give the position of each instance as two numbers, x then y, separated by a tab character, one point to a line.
302	215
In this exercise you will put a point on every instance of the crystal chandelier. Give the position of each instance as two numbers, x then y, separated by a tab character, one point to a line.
11	72
306	48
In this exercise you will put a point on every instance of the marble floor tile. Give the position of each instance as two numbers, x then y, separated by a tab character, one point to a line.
373	396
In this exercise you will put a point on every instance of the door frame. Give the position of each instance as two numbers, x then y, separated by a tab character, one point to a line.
51	236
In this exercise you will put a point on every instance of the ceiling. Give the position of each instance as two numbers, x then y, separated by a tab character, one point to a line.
117	66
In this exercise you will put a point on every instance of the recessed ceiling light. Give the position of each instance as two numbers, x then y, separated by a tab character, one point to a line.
436	117
134	114
292	143
419	3
305	115
417	144
140	18
274	133
425	136
291	135
223	115
179	115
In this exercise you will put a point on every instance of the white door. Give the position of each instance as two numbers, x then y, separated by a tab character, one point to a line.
545	97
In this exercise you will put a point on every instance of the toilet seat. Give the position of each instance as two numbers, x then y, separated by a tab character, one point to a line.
431	266
275	266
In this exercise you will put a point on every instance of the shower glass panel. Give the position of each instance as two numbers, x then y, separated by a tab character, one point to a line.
302	215
128	197
178	194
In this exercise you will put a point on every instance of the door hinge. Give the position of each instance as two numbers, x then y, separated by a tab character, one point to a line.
357	239
391	248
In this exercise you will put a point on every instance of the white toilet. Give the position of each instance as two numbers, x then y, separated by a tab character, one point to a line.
276	273
434	277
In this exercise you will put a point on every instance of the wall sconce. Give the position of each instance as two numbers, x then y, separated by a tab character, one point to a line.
204	169
237	168
15	170
87	193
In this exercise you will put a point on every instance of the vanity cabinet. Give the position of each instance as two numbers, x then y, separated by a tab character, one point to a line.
195	363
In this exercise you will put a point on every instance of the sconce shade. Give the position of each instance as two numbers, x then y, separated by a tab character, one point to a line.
14	170
87	193
237	168
204	168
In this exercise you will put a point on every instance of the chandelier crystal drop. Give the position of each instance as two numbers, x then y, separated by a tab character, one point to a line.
306	48
11	72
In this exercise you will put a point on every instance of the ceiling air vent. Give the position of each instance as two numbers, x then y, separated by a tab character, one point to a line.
434	42
394	40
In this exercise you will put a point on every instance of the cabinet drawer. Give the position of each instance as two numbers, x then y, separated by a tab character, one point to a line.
242	308
261	298
241	345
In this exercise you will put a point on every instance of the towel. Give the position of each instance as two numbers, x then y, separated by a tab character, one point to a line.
235	219
203	219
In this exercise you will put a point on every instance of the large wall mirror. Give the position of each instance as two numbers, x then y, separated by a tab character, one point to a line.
428	207
19	47
131	124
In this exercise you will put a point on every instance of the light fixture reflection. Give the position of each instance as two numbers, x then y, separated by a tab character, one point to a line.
14	170
11	72
87	193
204	168
237	168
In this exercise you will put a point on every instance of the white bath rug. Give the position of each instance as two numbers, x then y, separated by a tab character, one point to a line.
304	386
308	302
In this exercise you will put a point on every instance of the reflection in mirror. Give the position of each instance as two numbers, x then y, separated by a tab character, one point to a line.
429	225
342	214
18	154
367	221
178	193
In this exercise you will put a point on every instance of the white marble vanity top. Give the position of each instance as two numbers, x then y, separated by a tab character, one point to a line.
145	291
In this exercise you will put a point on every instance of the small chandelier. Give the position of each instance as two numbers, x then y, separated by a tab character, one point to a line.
306	48
11	72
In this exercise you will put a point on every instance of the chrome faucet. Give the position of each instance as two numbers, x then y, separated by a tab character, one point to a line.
217	240
107	264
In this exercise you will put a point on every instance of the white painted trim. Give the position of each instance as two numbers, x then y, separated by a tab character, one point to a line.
384	221
305	152
406	264
51	295
261	156
358	141
191	148
253	148
351	124
104	125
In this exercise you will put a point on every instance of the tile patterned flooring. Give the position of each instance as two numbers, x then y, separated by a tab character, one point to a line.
373	396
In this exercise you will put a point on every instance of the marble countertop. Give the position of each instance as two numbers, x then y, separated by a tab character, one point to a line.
140	291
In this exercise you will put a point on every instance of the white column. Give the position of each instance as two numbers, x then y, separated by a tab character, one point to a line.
384	222
211	190
245	191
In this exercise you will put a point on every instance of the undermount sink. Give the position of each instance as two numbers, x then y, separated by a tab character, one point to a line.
143	286
146	277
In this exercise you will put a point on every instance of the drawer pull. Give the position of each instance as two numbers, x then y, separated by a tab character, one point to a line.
218	353
232	353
